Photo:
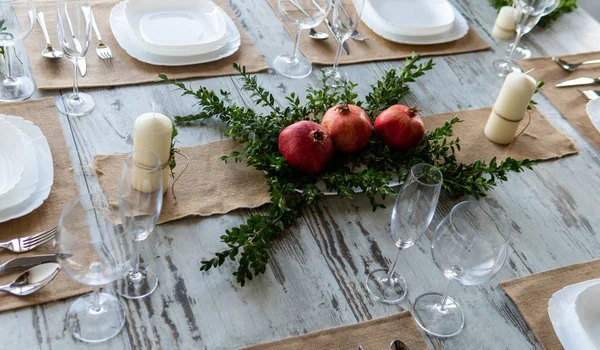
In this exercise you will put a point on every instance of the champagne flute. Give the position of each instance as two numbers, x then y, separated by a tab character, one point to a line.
140	202
412	214
74	26
301	14
343	20
17	18
92	249
469	246
527	15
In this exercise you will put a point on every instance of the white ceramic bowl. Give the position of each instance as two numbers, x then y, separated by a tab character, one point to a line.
177	27
413	17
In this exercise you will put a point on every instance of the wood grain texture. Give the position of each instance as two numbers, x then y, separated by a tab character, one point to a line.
315	278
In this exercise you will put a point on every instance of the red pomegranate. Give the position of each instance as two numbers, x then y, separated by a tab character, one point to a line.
306	146
349	127
400	127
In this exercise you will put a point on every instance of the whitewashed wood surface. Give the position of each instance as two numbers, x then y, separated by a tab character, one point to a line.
315	277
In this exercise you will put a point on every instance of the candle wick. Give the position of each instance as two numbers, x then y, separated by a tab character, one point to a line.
529	71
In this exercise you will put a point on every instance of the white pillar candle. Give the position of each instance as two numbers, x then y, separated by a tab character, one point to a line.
504	27
510	107
152	131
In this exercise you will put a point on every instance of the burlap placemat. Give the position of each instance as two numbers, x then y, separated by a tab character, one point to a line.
123	69
374	334
376	48
210	187
532	293
568	100
43	114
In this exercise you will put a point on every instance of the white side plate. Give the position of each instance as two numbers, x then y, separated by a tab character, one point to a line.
413	17
13	148
561	310
460	28
587	307
45	174
139	50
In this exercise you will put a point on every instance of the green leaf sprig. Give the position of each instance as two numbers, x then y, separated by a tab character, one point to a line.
2	28
565	6
248	245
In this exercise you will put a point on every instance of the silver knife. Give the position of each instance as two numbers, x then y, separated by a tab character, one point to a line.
81	65
578	82
344	44
591	94
28	261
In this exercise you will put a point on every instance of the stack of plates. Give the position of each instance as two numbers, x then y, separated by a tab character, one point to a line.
26	170
174	33
575	315
416	22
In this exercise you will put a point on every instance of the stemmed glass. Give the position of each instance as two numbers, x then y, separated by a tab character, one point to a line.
527	15
412	214
343	20
93	250
74	26
17	18
301	14
140	202
469	246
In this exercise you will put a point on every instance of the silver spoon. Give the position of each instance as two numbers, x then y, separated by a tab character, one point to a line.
32	280
49	51
313	34
398	345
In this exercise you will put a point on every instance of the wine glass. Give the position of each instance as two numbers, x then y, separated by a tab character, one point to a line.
140	202
469	246
17	18
342	21
74	26
411	216
527	15
92	249
301	14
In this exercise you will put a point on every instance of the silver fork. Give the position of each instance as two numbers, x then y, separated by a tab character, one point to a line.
102	50
572	66
24	244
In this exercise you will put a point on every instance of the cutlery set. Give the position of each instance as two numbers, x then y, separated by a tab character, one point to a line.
571	67
102	50
42	268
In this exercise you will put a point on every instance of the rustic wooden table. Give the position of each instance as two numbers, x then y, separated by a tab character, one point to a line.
315	277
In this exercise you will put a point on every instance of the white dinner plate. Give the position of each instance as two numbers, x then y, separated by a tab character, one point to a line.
13	148
413	17
561	310
460	28
29	180
138	49
587	307
45	173
177	27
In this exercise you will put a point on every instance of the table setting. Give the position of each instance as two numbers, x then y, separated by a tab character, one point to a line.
112	236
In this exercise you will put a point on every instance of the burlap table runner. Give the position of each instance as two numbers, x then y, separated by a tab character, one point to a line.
123	69
209	186
376	48
568	100
532	293
374	334
43	114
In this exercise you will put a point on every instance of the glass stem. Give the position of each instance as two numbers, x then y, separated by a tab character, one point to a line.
391	270
446	294
338	54
75	80
516	43
296	44
8	73
96	299
136	262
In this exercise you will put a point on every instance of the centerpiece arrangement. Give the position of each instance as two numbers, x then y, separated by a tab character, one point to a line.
565	6
328	138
